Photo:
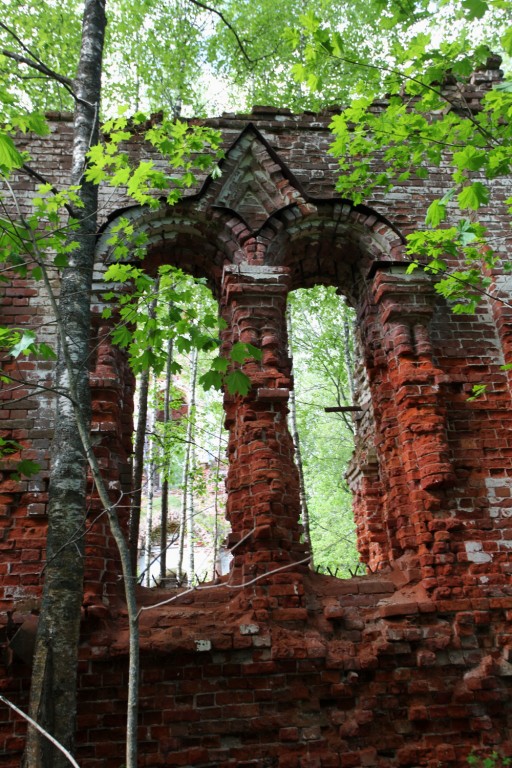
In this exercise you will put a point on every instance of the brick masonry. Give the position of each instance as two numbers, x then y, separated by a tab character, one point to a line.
408	666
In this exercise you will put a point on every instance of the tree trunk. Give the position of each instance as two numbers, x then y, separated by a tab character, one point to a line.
54	677
185	532
150	471
298	455
347	351
138	466
138	453
183	513
190	521
165	459
216	504
192	457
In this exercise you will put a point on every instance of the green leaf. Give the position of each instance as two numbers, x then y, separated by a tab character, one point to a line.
238	383
470	158
61	260
121	336
220	364
506	41
211	380
238	352
26	341
477	391
436	213
46	352
475	9
473	196
9	446
254	352
241	351
26	467
9	156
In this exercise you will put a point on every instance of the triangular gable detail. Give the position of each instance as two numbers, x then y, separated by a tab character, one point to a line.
255	183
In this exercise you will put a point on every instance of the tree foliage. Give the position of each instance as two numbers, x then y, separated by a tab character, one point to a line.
323	361
426	120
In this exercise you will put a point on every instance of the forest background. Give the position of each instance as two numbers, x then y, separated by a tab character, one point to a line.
184	57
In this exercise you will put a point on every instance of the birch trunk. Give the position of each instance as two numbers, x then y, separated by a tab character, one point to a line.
138	454
54	676
150	470
186	533
138	466
192	456
165	481
216	504
347	351
298	455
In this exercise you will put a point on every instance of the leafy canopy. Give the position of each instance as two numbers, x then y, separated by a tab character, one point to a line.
426	120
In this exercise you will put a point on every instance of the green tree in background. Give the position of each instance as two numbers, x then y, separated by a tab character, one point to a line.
426	116
323	362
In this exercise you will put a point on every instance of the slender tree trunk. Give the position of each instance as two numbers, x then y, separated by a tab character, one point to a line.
183	512
298	455
191	447
347	351
165	475
187	464
190	521
216	503
138	454
150	471
53	692
138	466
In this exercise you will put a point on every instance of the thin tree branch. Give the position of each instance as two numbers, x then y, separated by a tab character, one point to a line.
65	81
381	68
31	53
38	177
23	383
228	25
227	585
35	65
41	730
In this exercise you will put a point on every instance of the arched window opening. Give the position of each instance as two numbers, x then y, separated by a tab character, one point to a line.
180	445
323	419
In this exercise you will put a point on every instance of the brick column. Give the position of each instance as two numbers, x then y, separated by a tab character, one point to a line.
263	504
412	416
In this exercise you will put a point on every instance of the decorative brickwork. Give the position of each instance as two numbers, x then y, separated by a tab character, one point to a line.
409	666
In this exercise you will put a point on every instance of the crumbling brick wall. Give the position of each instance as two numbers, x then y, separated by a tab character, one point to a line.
408	666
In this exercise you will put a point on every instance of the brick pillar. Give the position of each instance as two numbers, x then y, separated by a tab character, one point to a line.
263	503
412	417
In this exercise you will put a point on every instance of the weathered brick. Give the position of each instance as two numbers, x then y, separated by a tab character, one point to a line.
391	669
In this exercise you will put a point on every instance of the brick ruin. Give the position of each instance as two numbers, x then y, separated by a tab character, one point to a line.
408	666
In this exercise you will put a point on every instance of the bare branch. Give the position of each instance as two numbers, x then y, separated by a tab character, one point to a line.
35	175
41	730
66	81
225	585
32	55
228	25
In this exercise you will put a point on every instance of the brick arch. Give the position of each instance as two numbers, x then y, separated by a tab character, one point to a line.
331	242
339	244
199	242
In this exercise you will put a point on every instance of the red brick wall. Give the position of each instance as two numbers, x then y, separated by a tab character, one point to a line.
409	666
